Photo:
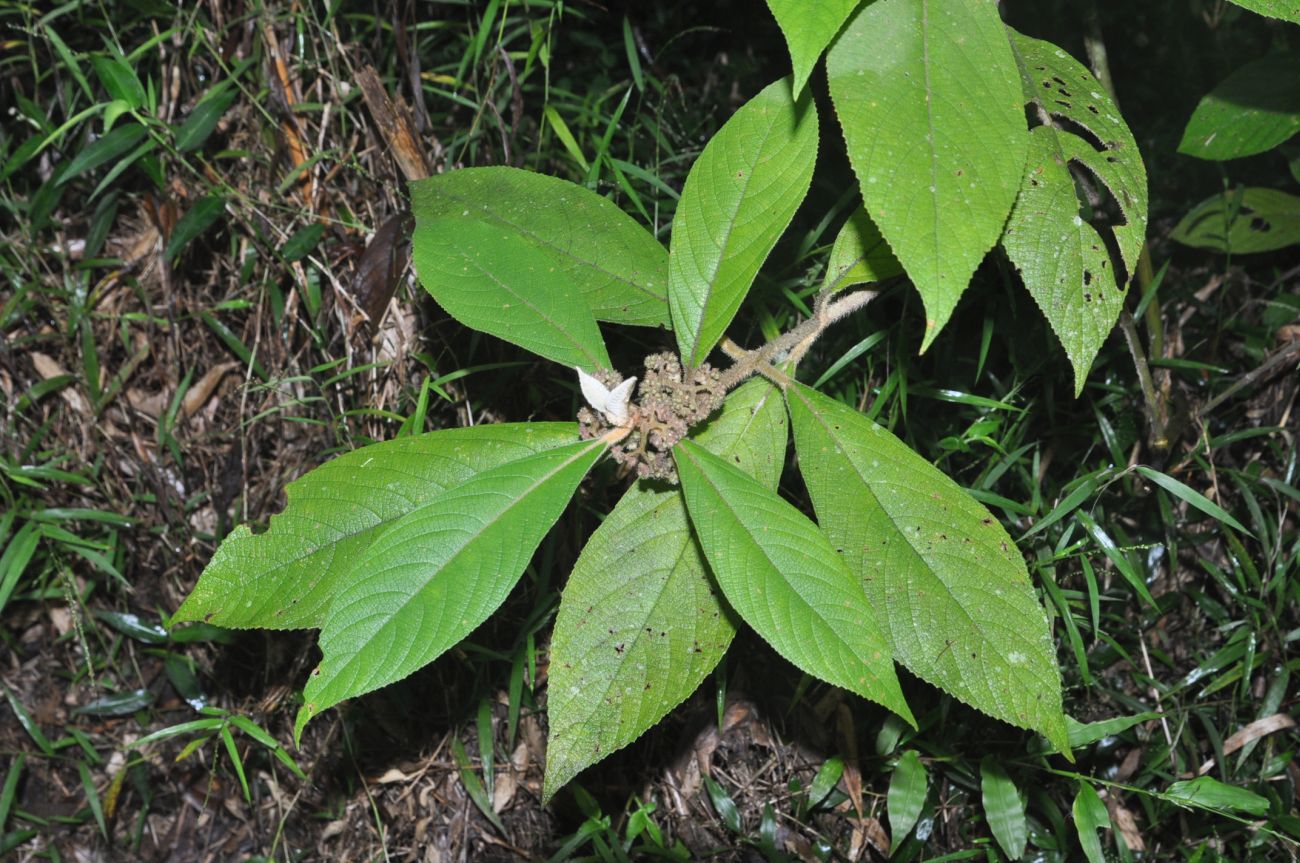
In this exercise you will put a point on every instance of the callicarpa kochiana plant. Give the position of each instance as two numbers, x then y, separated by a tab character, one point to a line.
966	138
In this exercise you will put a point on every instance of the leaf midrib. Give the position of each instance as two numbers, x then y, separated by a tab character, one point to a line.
470	539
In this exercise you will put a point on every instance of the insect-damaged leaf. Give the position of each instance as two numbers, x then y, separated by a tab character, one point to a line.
436	573
617	266
781	575
286	576
1242	221
919	110
1063	259
640	623
739	197
948	585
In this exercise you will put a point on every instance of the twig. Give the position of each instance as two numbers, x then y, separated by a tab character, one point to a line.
1279	356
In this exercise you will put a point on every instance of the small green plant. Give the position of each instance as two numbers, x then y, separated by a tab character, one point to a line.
399	550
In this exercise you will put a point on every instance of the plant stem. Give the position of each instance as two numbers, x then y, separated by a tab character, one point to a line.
1155	409
791	345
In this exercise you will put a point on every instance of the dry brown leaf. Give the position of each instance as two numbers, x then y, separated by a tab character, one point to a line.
1255	730
48	367
199	392
1126	825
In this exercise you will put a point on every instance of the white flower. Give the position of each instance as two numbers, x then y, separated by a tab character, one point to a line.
611	403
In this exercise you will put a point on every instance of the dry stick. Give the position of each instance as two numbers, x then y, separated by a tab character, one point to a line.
1279	356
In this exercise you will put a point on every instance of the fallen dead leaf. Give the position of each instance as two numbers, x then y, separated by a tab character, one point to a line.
48	367
199	393
1255	730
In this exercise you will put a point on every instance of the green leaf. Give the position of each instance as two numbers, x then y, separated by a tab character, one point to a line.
739	197
1242	221
907	786
808	28
488	281
285	577
1003	808
197	219
111	146
1083	734
119	79
1090	816
1192	497
930	104
1063	87
640	623
302	242
618	267
1251	111
860	255
946	582
191	134
1206	792
1062	259
1287	10
437	572
781	575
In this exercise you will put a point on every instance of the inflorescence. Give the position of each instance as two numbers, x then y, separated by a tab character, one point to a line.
666	407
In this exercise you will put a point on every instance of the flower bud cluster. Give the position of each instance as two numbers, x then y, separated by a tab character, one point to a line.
669	402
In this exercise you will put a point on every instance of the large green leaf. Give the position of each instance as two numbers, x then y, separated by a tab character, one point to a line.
948	585
1253	110
640	623
436	573
616	264
1063	260
739	197
779	572
285	577
1061	86
860	255
1287	10
1242	221
808	28
929	100
488	280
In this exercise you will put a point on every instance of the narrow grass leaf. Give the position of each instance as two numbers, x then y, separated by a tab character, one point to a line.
28	724
9	791
1206	792
199	125
104	150
808	28
1191	497
739	198
488	281
907	787
918	110
232	750
947	584
117	704
196	220
474	786
92	797
617	266
1115	556
286	576
436	573
119	79
1090	816
1004	808
1085	734
780	573
640	623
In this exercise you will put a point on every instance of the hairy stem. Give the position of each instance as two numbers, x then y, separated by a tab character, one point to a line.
790	345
